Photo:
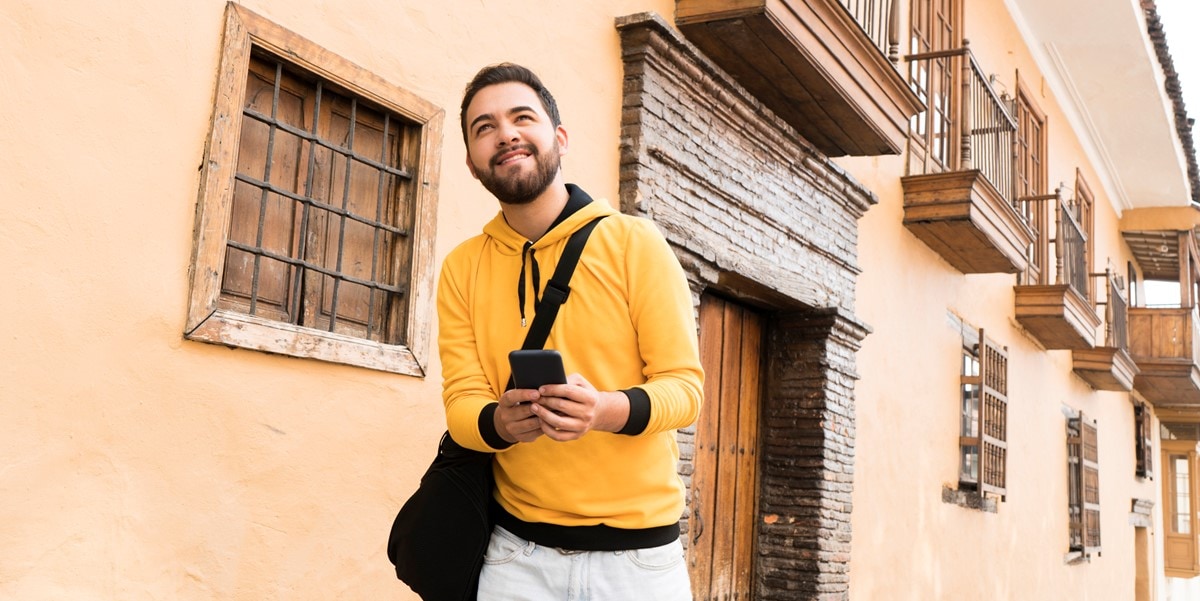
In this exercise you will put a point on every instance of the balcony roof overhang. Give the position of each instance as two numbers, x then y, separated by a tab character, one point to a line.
1153	238
1102	58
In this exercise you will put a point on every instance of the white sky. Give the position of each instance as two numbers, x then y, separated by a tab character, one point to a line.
1181	19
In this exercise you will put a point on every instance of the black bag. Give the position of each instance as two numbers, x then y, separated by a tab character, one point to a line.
440	535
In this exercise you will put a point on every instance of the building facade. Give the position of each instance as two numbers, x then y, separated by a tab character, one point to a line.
924	239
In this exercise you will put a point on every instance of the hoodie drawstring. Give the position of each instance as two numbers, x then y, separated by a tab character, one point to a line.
537	280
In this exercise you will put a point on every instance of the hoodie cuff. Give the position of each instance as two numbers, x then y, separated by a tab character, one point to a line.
639	412
487	428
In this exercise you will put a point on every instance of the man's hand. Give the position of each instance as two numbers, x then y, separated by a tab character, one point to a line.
568	411
514	418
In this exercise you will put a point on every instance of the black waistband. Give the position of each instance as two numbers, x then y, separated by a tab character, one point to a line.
586	538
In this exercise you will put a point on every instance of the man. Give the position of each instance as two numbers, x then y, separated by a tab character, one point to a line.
588	496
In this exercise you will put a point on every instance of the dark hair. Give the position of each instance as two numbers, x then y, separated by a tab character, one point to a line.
506	73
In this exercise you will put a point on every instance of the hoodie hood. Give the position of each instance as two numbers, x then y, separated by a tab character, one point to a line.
579	210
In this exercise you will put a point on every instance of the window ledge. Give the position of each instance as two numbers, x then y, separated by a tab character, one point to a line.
234	329
968	499
1075	558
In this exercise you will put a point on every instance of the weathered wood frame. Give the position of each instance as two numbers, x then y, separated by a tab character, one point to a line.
207	322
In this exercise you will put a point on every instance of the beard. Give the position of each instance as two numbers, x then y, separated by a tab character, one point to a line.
521	189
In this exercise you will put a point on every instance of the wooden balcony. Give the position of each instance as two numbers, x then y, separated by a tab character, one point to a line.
961	202
1057	315
1105	368
1060	315
1110	367
1163	345
962	216
816	64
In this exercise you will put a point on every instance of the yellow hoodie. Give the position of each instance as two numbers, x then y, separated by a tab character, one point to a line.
628	325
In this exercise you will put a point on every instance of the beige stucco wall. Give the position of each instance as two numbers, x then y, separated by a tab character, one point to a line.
137	465
908	544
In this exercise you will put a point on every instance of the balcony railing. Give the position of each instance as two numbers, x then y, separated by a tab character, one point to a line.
1116	314
985	129
880	20
1109	366
958	198
1070	243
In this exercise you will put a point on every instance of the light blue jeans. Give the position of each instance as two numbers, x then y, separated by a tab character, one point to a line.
515	569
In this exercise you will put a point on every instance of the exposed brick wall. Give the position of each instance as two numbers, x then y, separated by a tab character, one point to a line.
757	213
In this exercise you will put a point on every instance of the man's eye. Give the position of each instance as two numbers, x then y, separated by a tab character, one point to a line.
483	128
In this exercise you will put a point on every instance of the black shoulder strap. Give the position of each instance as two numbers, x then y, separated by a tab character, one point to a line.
557	289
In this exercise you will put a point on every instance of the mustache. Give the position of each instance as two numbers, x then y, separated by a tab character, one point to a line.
530	148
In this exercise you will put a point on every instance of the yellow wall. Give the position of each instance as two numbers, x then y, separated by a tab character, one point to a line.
134	464
137	465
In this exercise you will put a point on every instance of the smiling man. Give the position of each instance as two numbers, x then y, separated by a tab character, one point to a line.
588	496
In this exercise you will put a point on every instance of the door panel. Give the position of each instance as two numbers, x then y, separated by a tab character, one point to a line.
725	479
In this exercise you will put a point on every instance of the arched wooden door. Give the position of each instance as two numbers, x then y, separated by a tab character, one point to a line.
724	494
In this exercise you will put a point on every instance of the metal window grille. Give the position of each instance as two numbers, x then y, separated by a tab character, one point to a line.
320	231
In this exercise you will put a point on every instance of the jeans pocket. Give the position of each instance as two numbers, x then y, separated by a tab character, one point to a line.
656	559
503	547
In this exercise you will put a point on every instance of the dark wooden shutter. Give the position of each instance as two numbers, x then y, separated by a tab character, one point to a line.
993	417
1084	485
1143	441
322	209
341	237
1091	488
262	218
724	499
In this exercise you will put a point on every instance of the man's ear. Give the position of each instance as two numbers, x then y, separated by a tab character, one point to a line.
560	132
471	166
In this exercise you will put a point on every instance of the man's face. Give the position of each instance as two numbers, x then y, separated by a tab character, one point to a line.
513	148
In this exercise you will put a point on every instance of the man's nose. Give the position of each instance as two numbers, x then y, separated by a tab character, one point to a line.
507	132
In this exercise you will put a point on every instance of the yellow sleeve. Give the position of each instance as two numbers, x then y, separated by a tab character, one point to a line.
660	305
466	389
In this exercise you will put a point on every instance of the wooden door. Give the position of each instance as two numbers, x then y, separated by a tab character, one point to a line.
1179	511
724	494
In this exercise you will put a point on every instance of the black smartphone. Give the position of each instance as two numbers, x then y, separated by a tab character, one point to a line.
534	368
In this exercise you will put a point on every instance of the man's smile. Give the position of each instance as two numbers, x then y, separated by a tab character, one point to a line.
512	155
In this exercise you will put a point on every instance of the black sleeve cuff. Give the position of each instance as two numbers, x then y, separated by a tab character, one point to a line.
487	428
639	412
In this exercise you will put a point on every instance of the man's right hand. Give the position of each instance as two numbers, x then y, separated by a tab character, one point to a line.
514	418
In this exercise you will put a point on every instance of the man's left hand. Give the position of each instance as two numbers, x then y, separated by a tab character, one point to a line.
568	411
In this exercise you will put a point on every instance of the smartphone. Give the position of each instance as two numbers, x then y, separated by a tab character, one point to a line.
534	368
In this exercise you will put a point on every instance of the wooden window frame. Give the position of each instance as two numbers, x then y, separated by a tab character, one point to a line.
934	25
983	434
1085	207
1033	178
1083	485
208	319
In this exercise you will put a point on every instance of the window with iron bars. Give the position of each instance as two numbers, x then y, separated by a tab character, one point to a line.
317	204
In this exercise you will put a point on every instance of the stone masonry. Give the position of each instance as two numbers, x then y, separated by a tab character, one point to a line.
757	214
